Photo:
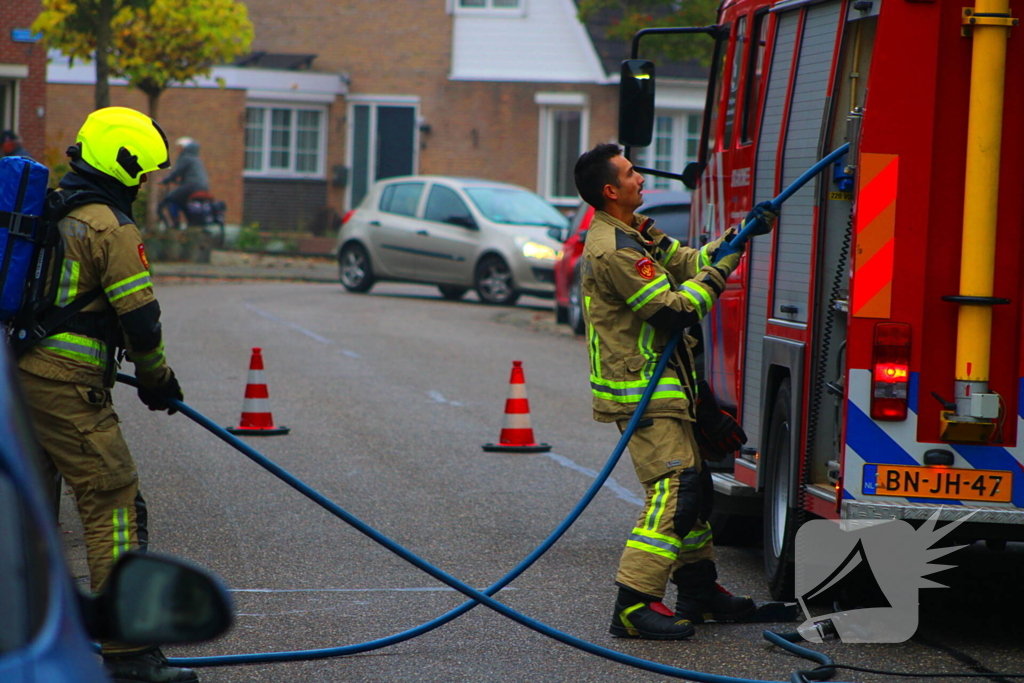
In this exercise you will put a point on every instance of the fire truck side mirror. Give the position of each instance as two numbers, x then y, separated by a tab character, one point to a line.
636	103
692	173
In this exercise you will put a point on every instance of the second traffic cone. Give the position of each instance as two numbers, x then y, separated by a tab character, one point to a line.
256	418
517	435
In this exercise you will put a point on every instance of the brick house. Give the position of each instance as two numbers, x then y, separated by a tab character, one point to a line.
215	117
22	75
510	90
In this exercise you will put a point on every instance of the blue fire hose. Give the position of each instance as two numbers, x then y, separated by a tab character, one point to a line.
477	596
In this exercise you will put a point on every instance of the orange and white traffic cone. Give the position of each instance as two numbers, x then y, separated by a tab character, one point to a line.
256	418
517	435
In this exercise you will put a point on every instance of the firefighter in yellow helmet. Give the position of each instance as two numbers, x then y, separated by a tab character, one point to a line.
67	375
640	286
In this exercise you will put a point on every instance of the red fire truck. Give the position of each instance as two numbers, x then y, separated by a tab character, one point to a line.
871	346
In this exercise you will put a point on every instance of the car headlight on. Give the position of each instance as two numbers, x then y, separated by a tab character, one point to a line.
536	250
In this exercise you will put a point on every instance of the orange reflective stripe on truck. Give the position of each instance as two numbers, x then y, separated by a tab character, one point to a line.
876	225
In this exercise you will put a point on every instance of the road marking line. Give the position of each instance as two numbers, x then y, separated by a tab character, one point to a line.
615	487
298	328
438	397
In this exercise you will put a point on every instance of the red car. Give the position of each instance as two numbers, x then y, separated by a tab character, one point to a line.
671	210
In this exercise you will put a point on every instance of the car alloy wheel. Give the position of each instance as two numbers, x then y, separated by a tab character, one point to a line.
354	268
494	282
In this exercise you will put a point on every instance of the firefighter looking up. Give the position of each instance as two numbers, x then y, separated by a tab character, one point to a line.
67	377
639	287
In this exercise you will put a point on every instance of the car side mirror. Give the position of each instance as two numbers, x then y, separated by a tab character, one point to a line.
692	173
636	103
464	221
557	234
155	599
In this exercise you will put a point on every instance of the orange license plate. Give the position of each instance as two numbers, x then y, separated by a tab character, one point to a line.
938	482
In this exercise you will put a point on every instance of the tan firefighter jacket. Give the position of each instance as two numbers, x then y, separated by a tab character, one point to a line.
628	280
102	248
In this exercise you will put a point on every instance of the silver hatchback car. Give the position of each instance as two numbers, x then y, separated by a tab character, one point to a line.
456	233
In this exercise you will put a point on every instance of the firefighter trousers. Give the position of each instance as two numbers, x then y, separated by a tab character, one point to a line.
81	437
672	529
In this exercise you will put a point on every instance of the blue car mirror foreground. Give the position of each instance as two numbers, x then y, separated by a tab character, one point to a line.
154	599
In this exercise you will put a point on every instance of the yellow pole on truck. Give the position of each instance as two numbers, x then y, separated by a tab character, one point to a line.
988	23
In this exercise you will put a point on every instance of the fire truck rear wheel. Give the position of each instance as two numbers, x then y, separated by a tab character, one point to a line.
779	517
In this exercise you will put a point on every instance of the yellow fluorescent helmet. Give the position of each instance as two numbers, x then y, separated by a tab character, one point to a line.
123	143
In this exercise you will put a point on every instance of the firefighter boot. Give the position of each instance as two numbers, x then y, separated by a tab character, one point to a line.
700	598
644	616
146	666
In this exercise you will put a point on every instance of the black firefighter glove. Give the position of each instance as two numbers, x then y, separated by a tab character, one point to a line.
717	432
763	216
156	397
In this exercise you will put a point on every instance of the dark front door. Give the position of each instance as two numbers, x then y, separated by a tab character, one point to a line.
383	145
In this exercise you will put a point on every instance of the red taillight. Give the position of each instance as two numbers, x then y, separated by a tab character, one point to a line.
347	216
890	372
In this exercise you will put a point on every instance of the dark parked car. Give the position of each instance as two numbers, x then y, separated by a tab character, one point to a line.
669	209
48	624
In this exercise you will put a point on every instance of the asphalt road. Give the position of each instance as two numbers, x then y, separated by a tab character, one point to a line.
389	397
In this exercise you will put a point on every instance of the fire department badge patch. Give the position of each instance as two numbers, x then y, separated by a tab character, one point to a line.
646	268
142	256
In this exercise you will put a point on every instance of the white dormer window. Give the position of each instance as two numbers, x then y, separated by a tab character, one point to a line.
511	8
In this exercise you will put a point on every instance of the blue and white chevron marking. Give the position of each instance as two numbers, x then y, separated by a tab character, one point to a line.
895	443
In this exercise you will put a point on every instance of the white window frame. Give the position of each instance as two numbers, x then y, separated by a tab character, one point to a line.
549	104
488	10
290	172
10	81
678	158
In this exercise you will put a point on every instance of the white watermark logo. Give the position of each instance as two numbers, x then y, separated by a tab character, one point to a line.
883	562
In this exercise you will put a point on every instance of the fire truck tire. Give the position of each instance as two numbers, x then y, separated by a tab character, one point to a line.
779	517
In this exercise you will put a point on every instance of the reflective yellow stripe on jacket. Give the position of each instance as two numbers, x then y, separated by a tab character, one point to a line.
699	297
128	286
76	347
648	292
704	255
67	290
630	391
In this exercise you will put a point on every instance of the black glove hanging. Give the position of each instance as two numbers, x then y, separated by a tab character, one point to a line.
717	432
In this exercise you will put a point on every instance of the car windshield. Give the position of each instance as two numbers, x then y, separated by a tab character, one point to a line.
515	207
671	219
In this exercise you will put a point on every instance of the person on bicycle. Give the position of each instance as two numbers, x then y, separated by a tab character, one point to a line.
190	174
